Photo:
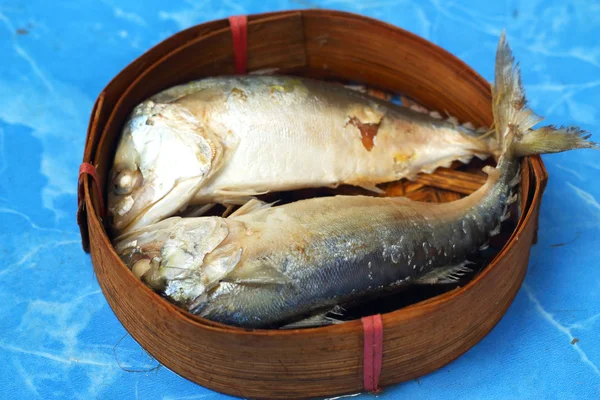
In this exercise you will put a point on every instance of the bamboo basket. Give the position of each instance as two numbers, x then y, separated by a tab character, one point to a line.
286	364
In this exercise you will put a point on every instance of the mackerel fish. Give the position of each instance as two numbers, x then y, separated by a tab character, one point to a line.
267	266
224	140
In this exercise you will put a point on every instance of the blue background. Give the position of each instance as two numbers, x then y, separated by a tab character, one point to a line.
60	339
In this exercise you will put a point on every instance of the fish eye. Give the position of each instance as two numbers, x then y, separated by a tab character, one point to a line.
125	181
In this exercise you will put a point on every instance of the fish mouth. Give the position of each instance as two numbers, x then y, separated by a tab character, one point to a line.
140	213
164	160
124	209
141	252
183	258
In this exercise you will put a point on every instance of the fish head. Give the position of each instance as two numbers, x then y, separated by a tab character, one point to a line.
183	258
163	157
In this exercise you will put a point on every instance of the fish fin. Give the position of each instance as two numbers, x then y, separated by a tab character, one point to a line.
516	179
264	71
316	320
514	121
229	257
372	188
251	206
448	274
197	211
356	87
496	230
469	126
235	201
239	193
452	119
236	197
338	310
551	139
508	97
418	108
435	114
512	117
228	210
261	275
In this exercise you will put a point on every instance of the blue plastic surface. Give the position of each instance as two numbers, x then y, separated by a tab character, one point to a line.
60	339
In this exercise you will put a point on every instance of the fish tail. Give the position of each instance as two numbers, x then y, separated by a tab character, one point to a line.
514	122
551	139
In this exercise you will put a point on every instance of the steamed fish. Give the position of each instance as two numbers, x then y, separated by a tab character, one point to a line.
266	266
227	139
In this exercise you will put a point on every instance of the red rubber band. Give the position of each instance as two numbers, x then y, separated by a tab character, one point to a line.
239	32
373	351
89	169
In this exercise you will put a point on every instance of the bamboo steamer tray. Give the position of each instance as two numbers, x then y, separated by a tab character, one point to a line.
285	364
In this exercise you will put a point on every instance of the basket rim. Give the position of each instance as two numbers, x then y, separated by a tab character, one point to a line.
408	312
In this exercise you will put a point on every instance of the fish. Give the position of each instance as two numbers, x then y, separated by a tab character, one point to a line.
225	140
267	266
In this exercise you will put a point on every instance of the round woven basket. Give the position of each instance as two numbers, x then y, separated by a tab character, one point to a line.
323	361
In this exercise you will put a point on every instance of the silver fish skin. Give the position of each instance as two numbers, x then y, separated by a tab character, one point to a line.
266	266
294	260
226	139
